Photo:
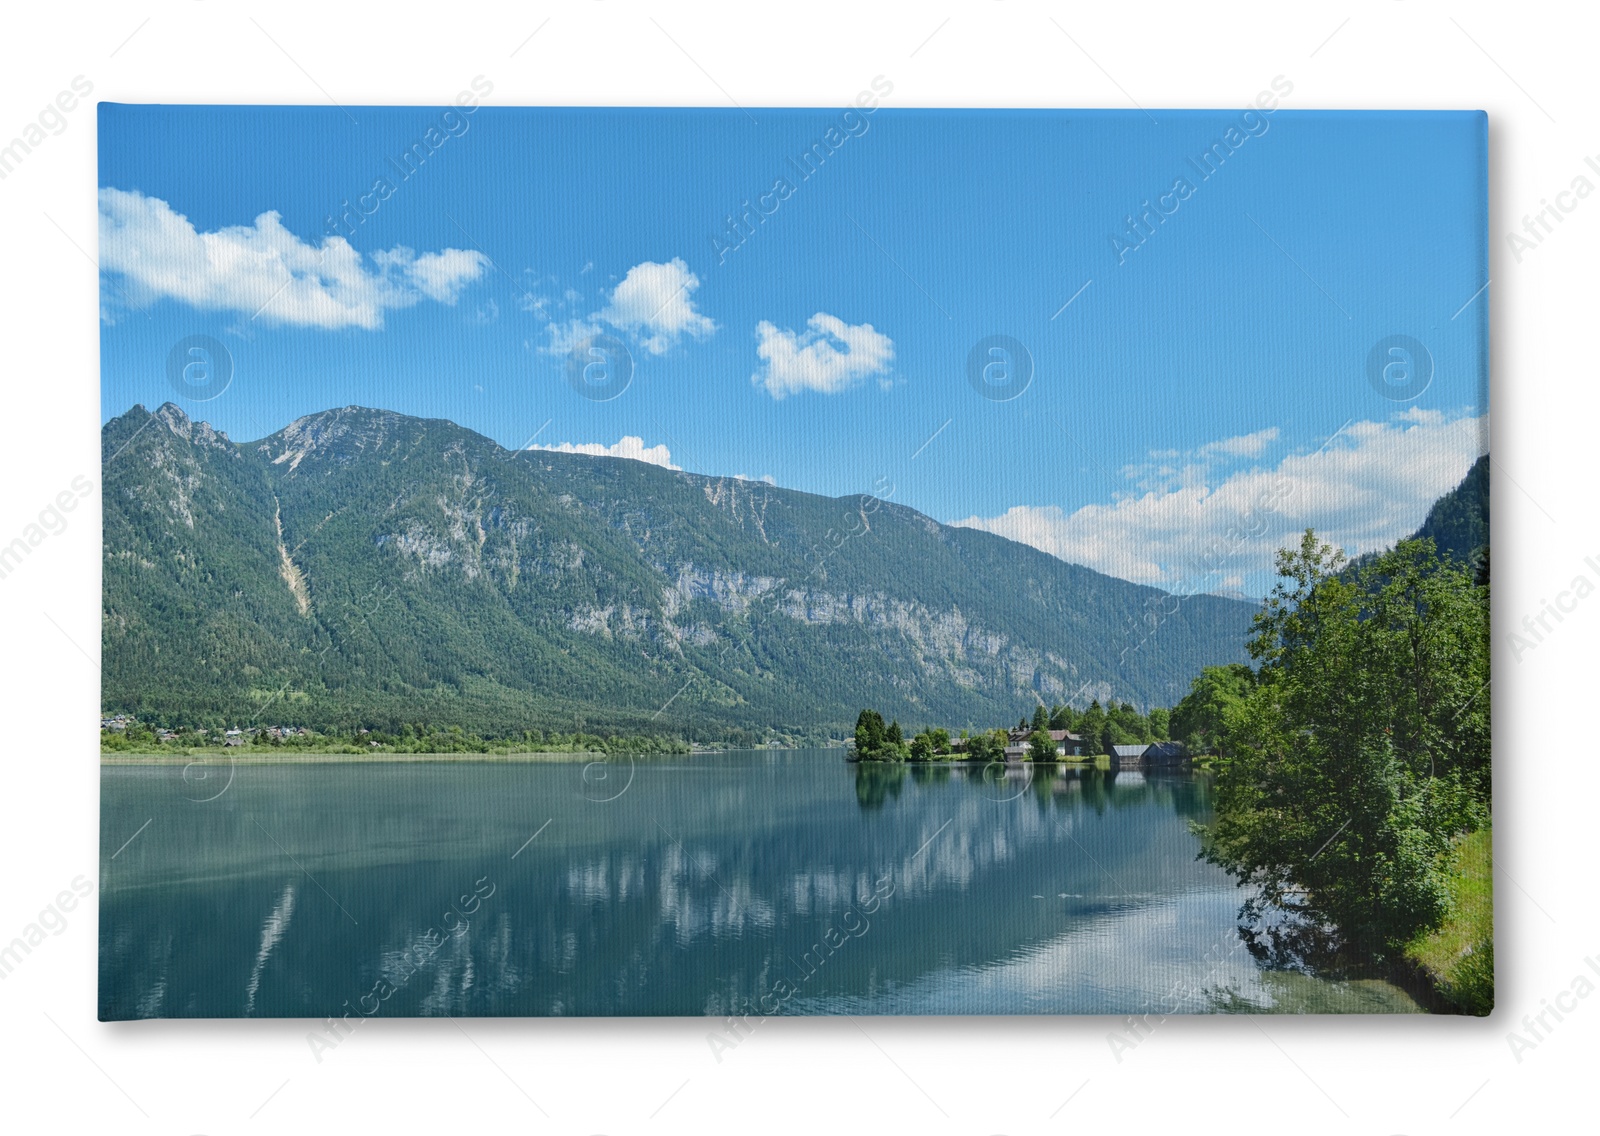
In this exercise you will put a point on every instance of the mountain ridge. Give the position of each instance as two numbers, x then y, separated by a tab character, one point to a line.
366	567
1457	523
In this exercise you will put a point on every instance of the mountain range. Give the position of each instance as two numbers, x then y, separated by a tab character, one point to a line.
365	568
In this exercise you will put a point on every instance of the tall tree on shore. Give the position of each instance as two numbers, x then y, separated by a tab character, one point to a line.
1130	725
1160	724
1092	726
1201	719
869	732
1363	745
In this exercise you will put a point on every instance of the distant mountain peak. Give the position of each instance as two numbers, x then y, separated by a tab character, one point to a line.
343	433
172	416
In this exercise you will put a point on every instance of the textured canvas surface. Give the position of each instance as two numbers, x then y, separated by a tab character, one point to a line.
853	560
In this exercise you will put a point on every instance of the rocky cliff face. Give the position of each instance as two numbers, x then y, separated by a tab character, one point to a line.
378	568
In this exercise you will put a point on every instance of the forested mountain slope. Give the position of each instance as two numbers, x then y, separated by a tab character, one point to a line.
362	567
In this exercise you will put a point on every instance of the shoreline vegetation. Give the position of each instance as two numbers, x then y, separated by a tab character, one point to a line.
122	737
213	755
1353	769
1057	734
1456	960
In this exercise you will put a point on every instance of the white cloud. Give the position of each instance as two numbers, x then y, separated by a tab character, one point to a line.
264	271
437	275
566	336
1171	468
627	447
830	356
1242	446
656	303
1368	488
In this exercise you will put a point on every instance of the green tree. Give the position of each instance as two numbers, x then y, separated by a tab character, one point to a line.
1092	726
894	737
1201	719
1362	747
1041	718
869	733
1160	724
1130	724
1041	747
1061	717
987	746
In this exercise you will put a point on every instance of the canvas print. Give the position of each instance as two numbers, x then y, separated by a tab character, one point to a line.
748	562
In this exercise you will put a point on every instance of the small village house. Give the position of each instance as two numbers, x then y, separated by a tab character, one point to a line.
1068	744
1150	754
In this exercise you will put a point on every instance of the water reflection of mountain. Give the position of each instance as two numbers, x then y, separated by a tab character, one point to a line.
697	891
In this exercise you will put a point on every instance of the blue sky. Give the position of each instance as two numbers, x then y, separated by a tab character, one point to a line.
1220	363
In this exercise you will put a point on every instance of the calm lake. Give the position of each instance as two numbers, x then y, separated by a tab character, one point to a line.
759	882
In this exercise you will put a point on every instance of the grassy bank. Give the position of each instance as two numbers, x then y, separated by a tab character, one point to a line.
1458	957
286	746
242	756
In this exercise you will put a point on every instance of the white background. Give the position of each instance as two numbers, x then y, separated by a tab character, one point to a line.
1530	66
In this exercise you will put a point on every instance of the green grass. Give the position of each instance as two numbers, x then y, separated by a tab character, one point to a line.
137	740
1459	955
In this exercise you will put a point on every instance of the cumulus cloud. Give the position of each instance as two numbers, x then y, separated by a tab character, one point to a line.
1370	486
654	303
829	356
264	271
626	447
437	275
